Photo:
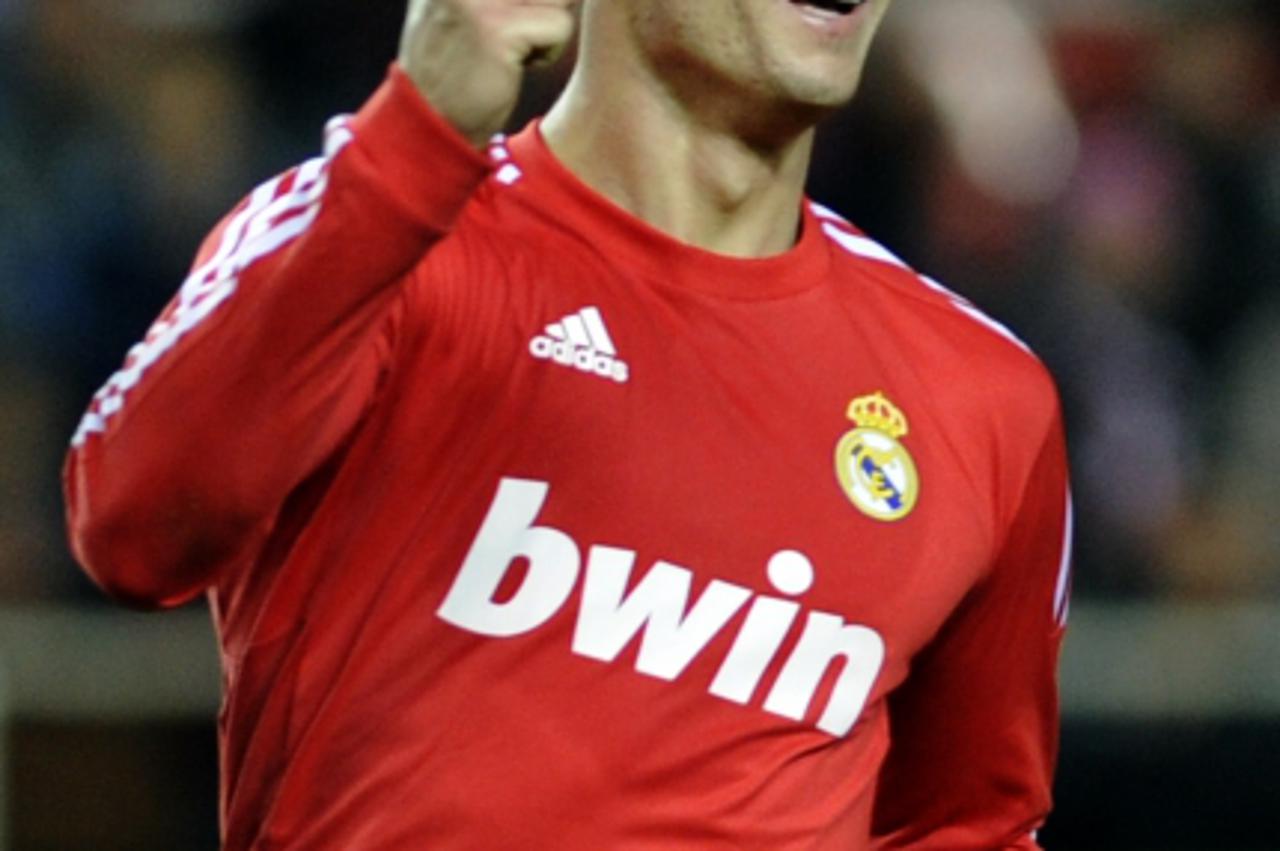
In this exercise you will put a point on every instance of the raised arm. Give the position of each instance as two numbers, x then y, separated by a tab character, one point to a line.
272	350
974	729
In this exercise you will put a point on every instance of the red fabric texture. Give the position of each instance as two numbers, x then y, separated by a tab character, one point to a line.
326	449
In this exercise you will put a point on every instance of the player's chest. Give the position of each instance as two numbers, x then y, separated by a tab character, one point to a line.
767	451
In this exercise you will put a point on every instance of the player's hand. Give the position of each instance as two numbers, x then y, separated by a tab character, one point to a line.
468	57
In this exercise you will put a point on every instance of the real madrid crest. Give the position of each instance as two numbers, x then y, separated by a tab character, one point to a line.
875	470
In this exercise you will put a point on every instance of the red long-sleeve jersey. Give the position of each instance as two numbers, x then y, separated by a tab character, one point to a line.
526	526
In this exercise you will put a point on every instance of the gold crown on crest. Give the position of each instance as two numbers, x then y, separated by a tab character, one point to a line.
877	412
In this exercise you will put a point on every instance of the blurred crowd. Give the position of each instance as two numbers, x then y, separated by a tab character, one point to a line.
1101	175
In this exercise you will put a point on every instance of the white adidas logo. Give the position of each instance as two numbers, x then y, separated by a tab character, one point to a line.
581	341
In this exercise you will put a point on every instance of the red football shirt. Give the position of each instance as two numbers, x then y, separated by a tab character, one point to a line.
527	526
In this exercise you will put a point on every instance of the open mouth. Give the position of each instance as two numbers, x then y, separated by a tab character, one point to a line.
838	7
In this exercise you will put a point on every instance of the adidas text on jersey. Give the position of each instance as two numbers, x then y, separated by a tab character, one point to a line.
581	341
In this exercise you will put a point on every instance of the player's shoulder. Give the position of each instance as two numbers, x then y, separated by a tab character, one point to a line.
938	325
507	223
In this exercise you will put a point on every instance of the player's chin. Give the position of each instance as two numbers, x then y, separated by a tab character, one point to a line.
829	74
820	87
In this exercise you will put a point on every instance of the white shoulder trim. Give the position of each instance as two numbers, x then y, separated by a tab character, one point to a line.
833	225
861	246
973	312
507	173
827	214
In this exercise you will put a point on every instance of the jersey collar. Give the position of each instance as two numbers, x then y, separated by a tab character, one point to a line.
560	197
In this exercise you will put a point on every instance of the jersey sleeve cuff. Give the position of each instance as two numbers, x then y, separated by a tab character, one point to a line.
427	167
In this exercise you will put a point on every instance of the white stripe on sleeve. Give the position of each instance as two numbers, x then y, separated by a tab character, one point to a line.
270	220
1062	591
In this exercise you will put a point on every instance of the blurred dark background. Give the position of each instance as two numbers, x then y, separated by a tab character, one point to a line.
1102	175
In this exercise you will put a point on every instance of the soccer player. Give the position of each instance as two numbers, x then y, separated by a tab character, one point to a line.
597	491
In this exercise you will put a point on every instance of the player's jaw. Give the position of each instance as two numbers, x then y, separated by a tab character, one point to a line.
785	61
818	47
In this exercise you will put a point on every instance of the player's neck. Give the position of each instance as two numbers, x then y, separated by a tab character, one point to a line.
694	177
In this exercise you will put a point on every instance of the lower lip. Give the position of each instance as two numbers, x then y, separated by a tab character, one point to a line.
831	24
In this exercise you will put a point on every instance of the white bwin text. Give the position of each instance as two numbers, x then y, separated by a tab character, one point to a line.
672	634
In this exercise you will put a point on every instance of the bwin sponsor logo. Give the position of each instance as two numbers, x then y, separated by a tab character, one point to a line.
672	632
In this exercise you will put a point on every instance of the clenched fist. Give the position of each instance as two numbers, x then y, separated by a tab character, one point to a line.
468	57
